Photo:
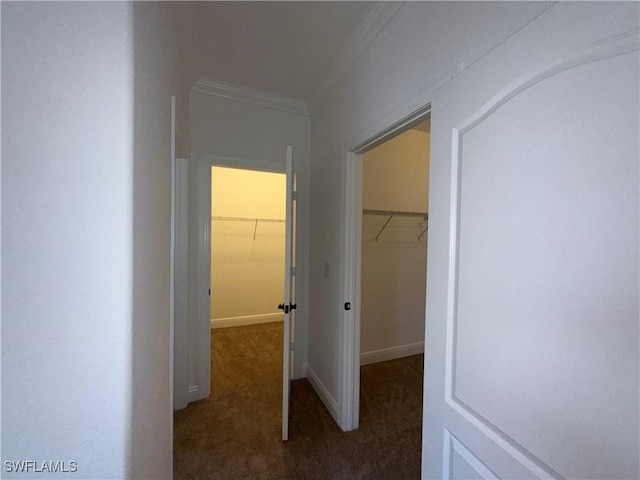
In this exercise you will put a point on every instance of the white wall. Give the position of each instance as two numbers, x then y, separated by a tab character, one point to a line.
421	47
85	227
247	136
247	258
67	186
395	177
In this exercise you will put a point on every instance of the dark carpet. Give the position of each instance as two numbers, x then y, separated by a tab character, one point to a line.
236	433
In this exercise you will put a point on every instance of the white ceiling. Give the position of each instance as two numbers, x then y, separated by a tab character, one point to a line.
280	47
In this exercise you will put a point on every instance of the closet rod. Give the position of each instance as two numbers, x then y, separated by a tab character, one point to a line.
384	226
391	213
243	219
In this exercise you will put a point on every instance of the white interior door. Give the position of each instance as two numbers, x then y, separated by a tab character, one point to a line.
289	305
532	364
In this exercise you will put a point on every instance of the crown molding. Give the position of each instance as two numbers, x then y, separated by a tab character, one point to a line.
376	19
248	95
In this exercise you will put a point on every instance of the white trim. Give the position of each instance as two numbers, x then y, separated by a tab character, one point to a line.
244	163
246	320
180	310
249	95
451	445
194	393
303	372
361	143
289	291
397	118
349	341
391	353
323	393
376	19
349	358
1	239
199	255
172	274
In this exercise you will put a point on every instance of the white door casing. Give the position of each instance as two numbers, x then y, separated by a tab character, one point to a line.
172	273
351	265
531	341
289	305
179	317
180	342
200	264
198	348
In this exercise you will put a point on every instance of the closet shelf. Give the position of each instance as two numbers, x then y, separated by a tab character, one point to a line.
244	219
392	213
253	220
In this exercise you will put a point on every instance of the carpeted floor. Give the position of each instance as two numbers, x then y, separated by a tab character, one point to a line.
235	434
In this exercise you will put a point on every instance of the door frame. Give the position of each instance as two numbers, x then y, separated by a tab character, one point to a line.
289	306
173	207
351	263
179	348
200	260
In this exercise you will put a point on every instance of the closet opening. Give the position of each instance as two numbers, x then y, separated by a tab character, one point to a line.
247	283
394	225
384	246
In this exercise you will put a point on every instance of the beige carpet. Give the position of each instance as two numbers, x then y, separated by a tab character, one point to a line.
235	434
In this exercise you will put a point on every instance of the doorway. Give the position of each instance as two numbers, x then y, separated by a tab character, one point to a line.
385	247
247	283
395	206
247	246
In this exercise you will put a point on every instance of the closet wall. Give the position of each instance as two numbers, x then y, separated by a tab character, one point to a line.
247	246
395	178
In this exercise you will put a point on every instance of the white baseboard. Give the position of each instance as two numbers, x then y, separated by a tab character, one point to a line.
391	353
323	393
193	393
246	320
300	372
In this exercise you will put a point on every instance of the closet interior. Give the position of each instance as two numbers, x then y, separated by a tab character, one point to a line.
395	223
247	246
